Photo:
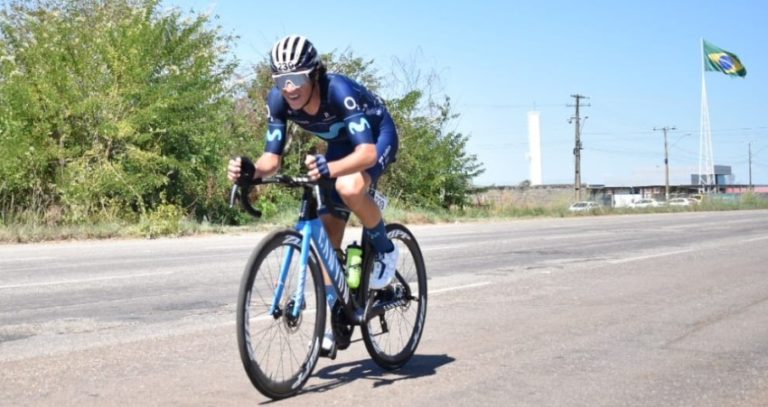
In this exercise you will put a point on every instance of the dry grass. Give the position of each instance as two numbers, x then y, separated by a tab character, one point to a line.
495	204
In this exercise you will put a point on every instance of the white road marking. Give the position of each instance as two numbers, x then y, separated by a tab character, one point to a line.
24	259
444	247
461	287
755	239
648	256
86	280
133	261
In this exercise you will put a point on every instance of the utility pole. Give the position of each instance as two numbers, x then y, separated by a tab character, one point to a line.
577	148
750	165
666	161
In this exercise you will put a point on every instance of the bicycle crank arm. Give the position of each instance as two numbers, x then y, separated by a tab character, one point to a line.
382	307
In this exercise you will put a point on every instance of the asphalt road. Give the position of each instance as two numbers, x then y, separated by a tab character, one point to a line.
640	310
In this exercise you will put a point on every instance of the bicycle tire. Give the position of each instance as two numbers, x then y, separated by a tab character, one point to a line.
288	345
391	339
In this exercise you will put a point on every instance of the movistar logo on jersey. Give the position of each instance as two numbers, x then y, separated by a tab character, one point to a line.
275	134
332	132
358	127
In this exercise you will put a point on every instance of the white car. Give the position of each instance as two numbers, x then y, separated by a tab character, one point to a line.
679	202
583	206
645	203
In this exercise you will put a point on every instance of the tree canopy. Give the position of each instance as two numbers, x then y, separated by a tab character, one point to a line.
111	109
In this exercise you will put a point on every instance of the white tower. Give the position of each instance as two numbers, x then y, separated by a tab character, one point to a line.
534	147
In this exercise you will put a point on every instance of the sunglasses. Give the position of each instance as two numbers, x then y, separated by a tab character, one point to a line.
297	79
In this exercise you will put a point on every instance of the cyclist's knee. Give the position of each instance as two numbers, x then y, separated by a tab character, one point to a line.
353	187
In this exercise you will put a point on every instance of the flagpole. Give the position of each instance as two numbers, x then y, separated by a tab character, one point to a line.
706	161
701	121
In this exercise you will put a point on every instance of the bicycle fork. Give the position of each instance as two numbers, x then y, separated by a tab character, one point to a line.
294	307
311	230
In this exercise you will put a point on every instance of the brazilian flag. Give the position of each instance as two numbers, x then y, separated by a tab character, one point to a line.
716	59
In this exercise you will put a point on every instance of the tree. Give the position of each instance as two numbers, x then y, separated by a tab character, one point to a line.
110	108
434	168
114	109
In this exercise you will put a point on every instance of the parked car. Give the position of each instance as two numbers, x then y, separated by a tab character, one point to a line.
645	203
584	206
680	202
695	199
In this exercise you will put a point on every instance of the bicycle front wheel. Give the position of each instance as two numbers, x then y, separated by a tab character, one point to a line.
392	338
279	347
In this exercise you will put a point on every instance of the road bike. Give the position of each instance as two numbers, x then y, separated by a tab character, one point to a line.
281	308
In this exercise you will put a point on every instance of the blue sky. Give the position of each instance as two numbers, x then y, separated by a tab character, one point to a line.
638	62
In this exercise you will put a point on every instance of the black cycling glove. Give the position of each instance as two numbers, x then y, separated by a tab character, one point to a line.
247	171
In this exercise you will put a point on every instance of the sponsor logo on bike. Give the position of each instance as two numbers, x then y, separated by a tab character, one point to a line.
292	240
247	328
328	254
308	366
420	322
398	234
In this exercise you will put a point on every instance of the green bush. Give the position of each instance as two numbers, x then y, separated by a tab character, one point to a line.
165	220
107	107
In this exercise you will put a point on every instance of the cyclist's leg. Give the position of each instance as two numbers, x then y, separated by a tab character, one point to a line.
354	191
353	188
334	225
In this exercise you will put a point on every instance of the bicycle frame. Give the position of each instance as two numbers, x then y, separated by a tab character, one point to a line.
314	235
312	231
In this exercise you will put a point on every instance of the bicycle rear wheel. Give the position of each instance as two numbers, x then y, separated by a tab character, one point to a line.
279	351
392	338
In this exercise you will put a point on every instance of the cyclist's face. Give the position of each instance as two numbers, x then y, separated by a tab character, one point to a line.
297	96
295	87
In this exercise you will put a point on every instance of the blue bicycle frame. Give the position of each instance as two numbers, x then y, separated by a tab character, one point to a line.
312	230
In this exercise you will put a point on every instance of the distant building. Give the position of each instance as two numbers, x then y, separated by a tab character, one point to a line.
723	176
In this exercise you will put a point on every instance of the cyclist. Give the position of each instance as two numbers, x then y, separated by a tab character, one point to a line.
361	136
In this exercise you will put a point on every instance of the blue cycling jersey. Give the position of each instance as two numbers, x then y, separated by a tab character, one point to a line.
349	115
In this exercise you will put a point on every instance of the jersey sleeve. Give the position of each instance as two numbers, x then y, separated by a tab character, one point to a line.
343	95
276	123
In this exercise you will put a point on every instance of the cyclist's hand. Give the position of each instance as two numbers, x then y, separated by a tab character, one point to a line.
317	167
233	169
240	170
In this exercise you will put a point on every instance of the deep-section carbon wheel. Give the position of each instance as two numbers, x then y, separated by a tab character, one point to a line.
279	350
392	338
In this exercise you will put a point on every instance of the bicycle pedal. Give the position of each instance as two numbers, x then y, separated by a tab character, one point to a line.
329	353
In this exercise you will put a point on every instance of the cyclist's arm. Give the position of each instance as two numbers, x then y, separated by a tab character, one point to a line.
276	136
361	159
267	165
269	162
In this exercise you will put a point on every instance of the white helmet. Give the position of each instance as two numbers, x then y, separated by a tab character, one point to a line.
293	53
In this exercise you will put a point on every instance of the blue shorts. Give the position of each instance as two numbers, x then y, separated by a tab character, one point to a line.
386	153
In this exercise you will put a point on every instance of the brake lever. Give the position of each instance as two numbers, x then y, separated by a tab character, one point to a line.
233	196
243	201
